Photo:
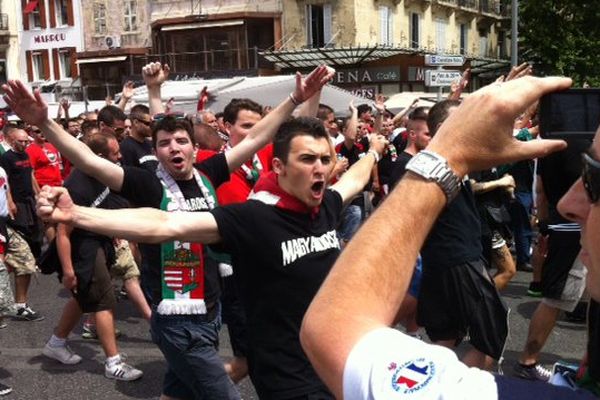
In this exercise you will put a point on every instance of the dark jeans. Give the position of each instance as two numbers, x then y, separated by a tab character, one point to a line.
520	213
190	345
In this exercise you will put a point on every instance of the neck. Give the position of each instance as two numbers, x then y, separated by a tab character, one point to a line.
137	136
411	149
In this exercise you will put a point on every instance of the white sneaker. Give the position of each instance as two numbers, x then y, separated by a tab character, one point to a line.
122	372
63	354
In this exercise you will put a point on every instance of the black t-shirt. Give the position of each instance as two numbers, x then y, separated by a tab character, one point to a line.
399	168
18	168
281	259
522	172
87	191
558	171
496	197
143	189
385	166
354	154
456	236
136	154
593	345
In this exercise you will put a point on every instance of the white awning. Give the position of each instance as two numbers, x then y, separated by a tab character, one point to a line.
201	25
101	60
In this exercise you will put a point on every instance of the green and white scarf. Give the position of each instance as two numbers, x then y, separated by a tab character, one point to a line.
182	263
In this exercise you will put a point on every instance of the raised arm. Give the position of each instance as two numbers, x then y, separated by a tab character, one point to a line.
355	179
142	225
126	95
264	131
155	74
34	110
380	107
351	127
398	117
402	222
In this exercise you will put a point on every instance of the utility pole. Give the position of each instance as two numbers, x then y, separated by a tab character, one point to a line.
514	41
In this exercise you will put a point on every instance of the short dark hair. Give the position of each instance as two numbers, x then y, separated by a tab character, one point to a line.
98	142
87	126
419	113
108	115
363	108
74	119
324	111
439	113
231	111
171	124
296	127
138	109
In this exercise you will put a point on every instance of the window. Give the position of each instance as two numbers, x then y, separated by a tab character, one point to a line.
62	12
318	25
483	43
130	21
440	34
464	38
386	24
415	31
64	62
35	19
502	44
37	63
99	17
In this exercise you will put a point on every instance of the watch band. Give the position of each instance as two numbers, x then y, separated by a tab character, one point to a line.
375	154
435	168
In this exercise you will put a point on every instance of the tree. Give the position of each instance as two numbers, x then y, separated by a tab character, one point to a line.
561	37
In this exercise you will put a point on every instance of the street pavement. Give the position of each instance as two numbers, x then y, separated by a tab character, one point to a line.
33	376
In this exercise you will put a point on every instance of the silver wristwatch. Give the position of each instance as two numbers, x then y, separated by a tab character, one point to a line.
435	168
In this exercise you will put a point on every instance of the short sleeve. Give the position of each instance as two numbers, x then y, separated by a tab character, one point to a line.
387	364
215	168
141	187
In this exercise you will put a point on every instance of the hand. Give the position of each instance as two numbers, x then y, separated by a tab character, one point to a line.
519	71
379	103
375	186
69	281
307	87
108	100
508	181
486	140
128	89
155	74
456	88
378	143
169	105
30	107
352	107
340	166
55	205
65	104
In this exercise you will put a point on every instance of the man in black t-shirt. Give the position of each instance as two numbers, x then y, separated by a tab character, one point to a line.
282	241
136	148
179	277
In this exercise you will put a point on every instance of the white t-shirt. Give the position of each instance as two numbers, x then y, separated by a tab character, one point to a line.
387	364
3	193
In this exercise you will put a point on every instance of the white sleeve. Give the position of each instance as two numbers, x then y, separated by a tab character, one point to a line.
387	364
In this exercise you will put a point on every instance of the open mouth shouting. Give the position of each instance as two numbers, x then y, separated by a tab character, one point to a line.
178	162
317	189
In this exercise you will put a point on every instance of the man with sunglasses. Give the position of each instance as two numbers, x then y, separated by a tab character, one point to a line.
180	277
111	119
136	149
45	159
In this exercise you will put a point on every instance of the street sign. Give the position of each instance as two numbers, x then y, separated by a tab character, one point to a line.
445	61
441	77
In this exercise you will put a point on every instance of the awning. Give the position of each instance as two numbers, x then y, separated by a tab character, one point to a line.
101	60
201	25
30	7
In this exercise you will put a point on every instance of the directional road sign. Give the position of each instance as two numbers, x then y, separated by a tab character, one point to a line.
441	77
444	61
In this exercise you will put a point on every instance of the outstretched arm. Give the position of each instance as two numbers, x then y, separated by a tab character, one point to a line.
145	225
329	332
264	131
155	75
31	108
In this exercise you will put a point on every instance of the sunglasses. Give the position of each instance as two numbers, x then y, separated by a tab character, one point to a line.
176	115
590	175
147	123
119	130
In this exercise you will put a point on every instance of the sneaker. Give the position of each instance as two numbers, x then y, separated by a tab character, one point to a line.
4	390
27	314
122	372
89	332
532	372
535	289
579	314
63	354
525	267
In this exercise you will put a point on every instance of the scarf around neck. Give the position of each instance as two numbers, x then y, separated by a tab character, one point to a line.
268	191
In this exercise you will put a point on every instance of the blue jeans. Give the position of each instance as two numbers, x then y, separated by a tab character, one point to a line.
351	219
190	345
520	212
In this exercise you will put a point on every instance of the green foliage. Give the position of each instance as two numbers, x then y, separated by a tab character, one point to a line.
561	37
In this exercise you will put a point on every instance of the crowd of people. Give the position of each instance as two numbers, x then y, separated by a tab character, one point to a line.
257	216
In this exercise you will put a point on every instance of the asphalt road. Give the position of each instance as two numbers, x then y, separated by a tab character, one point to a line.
33	376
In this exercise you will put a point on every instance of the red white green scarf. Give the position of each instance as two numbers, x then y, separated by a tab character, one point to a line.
182	263
268	191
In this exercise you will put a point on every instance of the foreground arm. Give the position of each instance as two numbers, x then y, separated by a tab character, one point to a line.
264	131
329	331
34	110
145	225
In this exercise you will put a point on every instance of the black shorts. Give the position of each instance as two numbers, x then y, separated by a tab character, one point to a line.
563	249
99	294
461	300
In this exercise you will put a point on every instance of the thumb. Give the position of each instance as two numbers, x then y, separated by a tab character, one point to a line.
539	148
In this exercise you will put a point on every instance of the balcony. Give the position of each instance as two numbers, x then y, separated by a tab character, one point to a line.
3	23
489	7
468	4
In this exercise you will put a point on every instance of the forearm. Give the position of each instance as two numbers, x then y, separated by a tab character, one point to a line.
389	275
123	103
356	178
484	187
351	130
147	225
63	248
155	100
310	107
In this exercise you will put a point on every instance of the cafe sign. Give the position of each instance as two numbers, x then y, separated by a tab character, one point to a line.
367	75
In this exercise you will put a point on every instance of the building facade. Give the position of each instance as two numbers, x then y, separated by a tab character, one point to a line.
9	41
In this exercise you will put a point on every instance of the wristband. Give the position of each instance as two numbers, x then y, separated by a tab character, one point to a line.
375	154
294	100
